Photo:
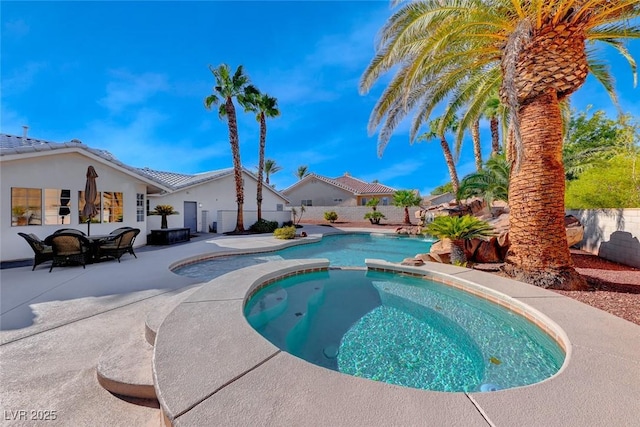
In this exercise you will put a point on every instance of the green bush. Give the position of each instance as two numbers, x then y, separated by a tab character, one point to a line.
331	216
285	232
264	226
374	217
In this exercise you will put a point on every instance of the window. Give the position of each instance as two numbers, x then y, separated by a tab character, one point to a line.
279	207
385	201
112	206
57	206
81	204
26	206
306	202
109	207
363	201
140	207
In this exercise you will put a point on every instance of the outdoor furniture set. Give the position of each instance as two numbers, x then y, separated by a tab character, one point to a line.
70	246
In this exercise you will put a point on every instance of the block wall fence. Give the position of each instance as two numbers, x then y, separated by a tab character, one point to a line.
394	214
613	234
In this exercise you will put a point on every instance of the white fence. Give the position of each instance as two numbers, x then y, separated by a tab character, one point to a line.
613	234
226	220
355	213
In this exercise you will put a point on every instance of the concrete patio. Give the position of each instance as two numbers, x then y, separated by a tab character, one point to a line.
54	327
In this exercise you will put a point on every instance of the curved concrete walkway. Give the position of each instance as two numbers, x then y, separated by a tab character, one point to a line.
211	366
54	326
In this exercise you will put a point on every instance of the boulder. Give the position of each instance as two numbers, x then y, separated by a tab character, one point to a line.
413	262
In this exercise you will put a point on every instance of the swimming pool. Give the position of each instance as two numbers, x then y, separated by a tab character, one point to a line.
342	250
402	330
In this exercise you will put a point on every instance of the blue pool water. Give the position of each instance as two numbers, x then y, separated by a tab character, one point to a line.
341	250
402	330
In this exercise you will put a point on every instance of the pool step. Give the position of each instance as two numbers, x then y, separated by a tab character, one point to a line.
161	310
125	368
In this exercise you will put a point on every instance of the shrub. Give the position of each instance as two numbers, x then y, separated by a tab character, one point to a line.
331	216
285	232
374	217
264	226
287	223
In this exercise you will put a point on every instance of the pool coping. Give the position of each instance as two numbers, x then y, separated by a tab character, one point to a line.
218	368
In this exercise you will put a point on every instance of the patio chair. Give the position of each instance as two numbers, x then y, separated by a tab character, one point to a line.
42	252
70	230
69	247
120	244
120	230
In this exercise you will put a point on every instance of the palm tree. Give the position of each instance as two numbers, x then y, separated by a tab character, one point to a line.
302	171
405	199
491	112
458	229
227	88
436	130
266	107
475	136
491	182
270	167
534	53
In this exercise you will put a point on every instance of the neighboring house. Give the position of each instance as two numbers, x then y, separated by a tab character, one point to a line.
42	187
317	190
438	199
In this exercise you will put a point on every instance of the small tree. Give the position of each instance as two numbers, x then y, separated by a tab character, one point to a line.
405	199
295	215
459	229
163	211
374	217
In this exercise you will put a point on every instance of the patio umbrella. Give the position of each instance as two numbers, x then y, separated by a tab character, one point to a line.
90	193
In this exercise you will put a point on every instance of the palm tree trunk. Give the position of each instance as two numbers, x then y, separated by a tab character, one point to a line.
263	140
458	256
539	253
237	166
495	136
407	219
450	164
477	152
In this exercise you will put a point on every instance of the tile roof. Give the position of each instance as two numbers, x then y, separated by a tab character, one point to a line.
180	180
350	184
11	144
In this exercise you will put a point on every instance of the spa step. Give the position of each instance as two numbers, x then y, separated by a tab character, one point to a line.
125	368
161	310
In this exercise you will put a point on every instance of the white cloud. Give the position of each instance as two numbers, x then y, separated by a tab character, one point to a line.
128	89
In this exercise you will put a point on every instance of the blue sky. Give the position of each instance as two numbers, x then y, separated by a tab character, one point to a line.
130	78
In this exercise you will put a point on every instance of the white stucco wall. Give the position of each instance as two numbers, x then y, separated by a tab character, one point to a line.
320	193
214	196
613	234
62	171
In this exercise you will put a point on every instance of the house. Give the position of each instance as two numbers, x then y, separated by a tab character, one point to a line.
317	190
42	189
207	201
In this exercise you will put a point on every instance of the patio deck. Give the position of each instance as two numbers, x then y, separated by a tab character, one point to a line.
54	326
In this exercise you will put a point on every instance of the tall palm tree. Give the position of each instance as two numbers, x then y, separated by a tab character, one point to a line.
302	171
477	150
492	111
270	167
266	107
534	52
227	87
436	130
405	199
